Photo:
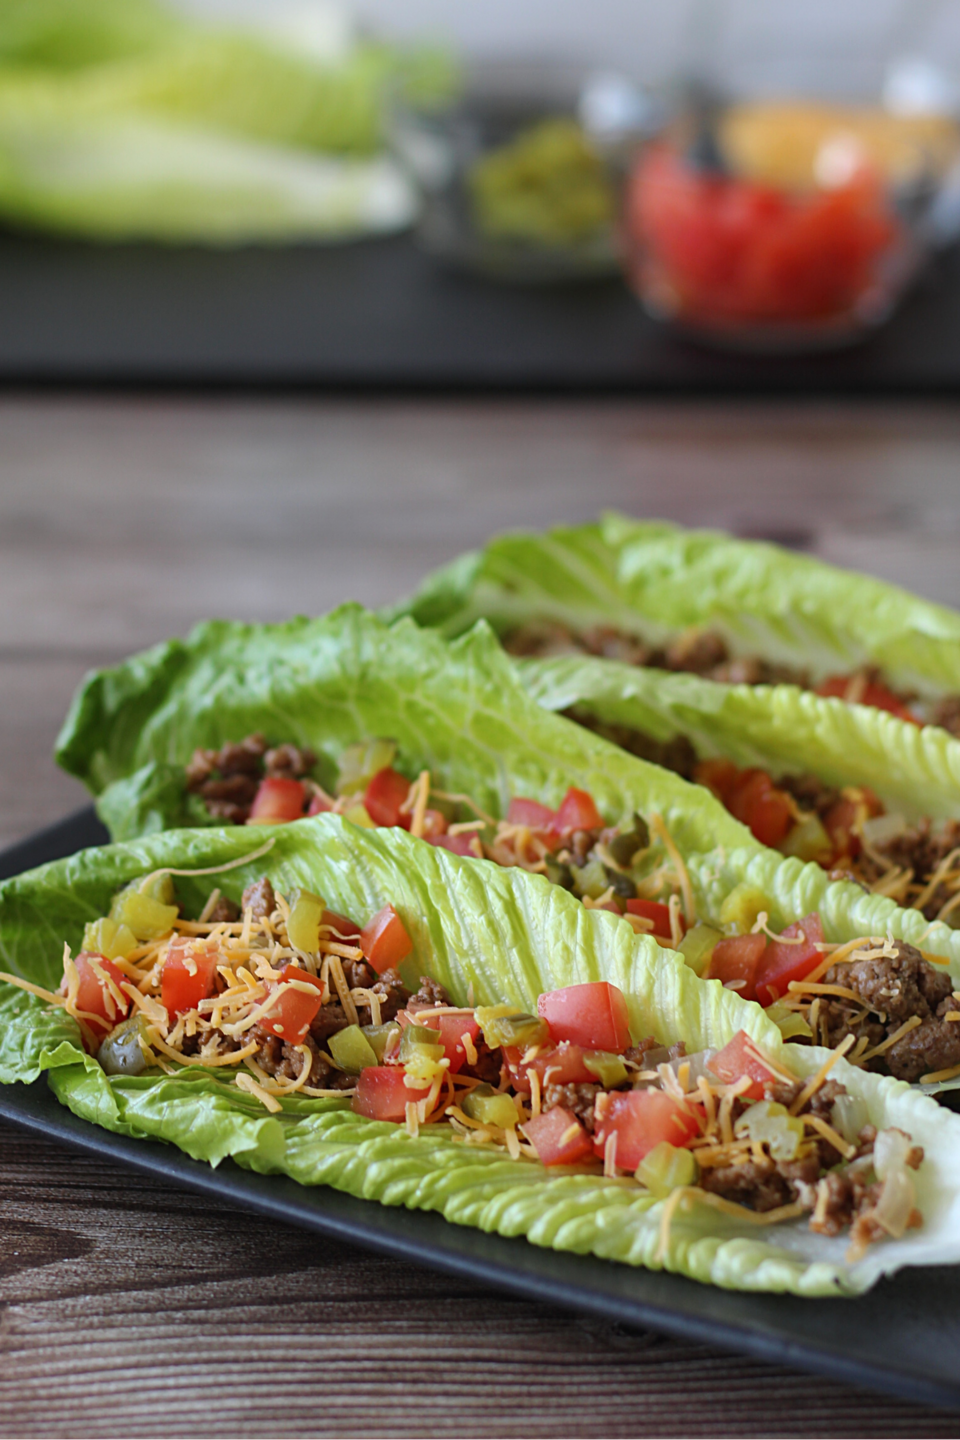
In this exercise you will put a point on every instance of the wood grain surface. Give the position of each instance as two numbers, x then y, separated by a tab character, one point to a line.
128	1310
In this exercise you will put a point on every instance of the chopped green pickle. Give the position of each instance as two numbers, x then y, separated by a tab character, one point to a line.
741	909
145	917
774	1125
697	946
666	1168
608	1068
378	1037
625	846
420	1041
809	841
357	815
488	1107
546	186
361	761
125	1051
516	1029
303	927
352	1050
106	937
790	1023
591	879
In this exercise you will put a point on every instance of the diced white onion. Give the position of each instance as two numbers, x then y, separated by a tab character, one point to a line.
896	1203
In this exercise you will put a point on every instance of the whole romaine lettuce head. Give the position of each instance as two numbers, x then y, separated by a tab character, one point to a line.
457	709
654	580
510	935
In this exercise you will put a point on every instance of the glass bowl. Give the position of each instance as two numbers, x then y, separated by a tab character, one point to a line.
781	224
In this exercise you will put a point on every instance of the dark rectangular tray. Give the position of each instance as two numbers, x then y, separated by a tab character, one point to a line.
903	1337
380	314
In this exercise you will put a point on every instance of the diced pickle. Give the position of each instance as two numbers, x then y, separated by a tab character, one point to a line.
125	1050
623	847
741	909
809	841
774	1126
516	1029
790	1023
360	762
145	917
666	1168
420	1040
697	946
488	1107
352	1050
358	815
559	873
622	885
106	937
590	879
378	1037
303	927
607	1067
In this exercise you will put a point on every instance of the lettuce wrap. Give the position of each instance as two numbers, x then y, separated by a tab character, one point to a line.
508	935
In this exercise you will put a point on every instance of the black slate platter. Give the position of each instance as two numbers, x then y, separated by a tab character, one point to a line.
903	1337
380	314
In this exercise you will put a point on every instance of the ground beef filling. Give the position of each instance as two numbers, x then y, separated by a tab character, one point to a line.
228	779
890	990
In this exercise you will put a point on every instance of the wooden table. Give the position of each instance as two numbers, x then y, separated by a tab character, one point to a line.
128	1311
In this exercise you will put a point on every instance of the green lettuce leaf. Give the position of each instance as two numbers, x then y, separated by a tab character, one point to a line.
654	579
508	934
458	710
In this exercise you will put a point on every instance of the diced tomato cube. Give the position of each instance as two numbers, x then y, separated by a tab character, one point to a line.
659	914
577	812
384	940
873	693
558	1137
782	963
531	813
720	776
741	1056
319	805
452	1029
277	801
735	961
592	1015
189	974
765	810
97	996
461	844
384	795
844	819
346	931
291	1015
382	1093
641	1119
561	1064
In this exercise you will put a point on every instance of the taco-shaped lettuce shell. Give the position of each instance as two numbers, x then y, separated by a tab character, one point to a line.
654	580
457	709
510	935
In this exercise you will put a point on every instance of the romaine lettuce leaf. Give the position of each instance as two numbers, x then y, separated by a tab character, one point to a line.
510	935
458	710
655	579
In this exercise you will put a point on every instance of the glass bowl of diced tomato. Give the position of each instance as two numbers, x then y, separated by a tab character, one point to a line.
796	226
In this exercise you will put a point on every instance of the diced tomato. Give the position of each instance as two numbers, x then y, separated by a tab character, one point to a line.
592	1015
641	1119
452	1029
189	974
291	1015
720	776
277	801
531	813
382	1093
347	930
740	1056
659	914
383	797
843	820
873	693
558	1137
461	844
735	961
577	812
319	805
765	810
384	940
434	825
97	998
782	963
555	1065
